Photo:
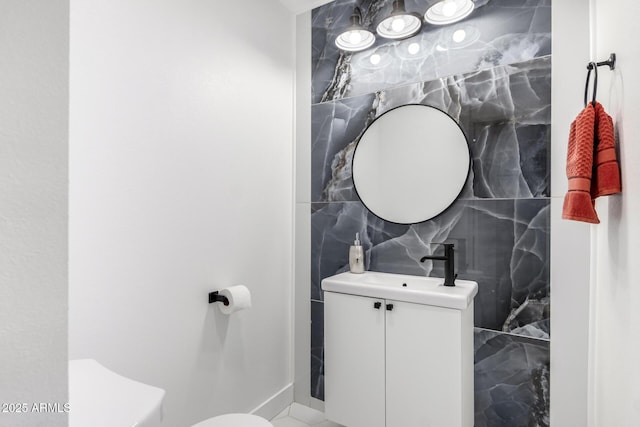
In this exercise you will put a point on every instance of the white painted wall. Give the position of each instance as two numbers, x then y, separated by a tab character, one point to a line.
616	391
302	6
181	170
34	42
570	240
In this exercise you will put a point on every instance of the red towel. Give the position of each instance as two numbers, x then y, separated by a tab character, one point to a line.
606	176
591	130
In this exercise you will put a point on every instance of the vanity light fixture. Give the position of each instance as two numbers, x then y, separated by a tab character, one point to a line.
449	11
355	38
400	24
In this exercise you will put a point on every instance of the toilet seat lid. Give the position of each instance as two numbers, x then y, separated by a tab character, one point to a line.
235	420
101	398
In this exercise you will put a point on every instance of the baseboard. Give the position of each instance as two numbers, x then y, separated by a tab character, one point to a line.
276	403
316	404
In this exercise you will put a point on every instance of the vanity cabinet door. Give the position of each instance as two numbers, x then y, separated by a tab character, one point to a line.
423	369
354	360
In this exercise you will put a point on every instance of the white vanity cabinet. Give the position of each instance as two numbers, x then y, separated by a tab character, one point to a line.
354	360
394	363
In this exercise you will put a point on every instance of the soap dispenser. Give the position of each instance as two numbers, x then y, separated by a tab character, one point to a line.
356	256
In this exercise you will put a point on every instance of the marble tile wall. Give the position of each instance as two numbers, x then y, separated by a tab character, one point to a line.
498	32
498	87
511	380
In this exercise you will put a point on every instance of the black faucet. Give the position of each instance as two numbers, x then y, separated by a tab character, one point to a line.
448	258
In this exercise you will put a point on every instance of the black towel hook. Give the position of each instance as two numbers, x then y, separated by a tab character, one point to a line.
591	67
611	63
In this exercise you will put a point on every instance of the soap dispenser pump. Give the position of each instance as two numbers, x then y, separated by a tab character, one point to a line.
356	256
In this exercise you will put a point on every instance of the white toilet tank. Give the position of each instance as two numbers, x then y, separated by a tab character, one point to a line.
99	397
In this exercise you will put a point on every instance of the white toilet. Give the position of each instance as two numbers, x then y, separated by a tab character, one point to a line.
99	397
235	420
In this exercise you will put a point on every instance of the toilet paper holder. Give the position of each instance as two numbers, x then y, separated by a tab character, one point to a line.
216	297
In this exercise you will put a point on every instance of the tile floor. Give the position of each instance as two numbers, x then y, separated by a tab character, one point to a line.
297	415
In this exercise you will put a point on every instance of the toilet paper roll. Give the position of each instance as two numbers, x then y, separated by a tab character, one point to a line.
239	299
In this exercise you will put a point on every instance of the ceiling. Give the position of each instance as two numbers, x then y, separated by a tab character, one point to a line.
300	6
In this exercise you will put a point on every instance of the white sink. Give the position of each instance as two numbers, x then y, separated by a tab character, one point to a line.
418	289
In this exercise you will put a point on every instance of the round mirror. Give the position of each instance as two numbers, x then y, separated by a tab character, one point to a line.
411	164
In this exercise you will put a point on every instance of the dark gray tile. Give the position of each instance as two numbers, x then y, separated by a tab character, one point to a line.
530	298
335	129
317	350
511	160
333	230
327	63
504	111
511	381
